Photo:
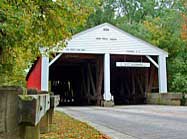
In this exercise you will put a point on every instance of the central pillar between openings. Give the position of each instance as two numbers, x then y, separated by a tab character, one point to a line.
107	94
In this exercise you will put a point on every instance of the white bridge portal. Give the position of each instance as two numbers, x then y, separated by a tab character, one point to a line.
108	40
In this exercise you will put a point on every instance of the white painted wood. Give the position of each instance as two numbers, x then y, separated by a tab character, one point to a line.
106	38
132	64
107	94
162	73
44	73
55	59
152	61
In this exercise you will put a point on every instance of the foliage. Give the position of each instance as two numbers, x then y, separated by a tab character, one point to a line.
65	127
26	25
178	68
104	12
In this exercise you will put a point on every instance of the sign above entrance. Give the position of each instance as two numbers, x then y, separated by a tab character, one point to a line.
132	64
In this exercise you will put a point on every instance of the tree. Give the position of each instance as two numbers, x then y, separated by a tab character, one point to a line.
104	12
27	25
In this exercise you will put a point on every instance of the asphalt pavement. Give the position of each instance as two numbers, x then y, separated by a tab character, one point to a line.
134	122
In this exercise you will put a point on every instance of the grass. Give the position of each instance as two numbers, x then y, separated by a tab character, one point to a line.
65	127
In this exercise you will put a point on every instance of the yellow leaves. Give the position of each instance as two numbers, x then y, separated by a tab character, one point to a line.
29	25
156	30
65	127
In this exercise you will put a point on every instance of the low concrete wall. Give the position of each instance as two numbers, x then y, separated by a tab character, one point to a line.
23	116
9	128
107	103
164	98
185	99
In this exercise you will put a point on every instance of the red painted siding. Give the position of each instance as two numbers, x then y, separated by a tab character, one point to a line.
34	78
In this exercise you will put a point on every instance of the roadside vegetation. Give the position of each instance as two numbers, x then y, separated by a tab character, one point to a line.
65	127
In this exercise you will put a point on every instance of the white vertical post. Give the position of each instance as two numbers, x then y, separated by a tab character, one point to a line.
162	73
107	94
44	71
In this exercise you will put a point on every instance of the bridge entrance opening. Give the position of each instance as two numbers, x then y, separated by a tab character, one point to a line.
79	79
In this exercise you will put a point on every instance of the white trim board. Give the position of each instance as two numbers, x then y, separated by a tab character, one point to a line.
133	64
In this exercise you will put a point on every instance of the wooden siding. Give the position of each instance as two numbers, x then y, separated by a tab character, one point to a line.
34	78
106	38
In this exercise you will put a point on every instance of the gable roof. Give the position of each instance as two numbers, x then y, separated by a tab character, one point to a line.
106	38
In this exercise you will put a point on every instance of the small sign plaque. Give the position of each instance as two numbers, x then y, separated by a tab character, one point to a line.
132	64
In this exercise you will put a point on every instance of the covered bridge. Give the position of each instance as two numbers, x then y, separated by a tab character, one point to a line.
103	63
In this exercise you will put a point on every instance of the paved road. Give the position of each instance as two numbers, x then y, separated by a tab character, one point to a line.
135	122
